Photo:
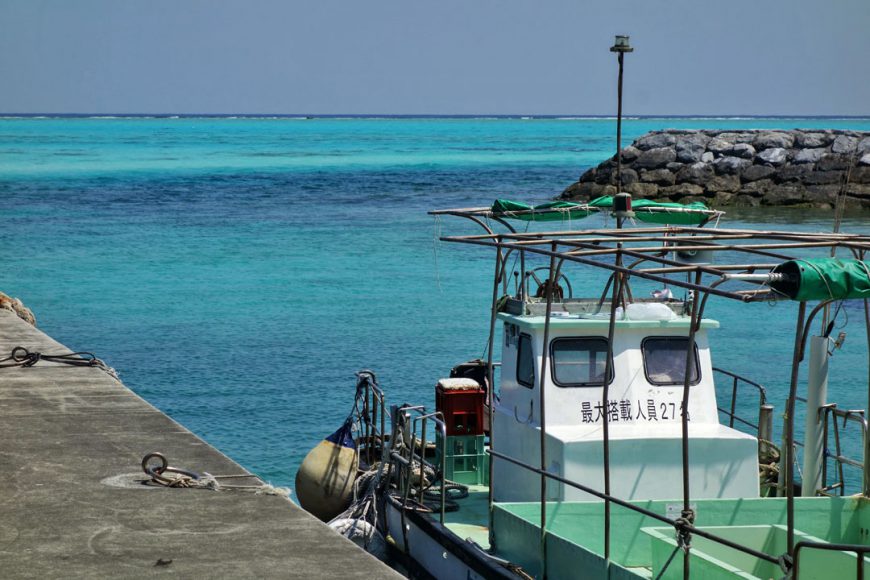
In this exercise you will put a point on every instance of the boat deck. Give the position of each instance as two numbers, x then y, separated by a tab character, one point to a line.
471	520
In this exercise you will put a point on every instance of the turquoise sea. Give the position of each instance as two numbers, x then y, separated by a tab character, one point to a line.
238	271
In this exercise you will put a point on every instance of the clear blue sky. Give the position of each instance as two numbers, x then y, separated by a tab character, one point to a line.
781	57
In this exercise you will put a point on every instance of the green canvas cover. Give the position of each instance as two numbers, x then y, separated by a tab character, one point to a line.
823	279
566	209
560	210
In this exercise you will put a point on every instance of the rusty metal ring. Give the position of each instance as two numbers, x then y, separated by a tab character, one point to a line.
164	464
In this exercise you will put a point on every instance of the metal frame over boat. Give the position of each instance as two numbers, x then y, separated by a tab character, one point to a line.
562	487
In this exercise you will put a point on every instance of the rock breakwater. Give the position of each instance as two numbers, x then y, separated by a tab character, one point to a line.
738	168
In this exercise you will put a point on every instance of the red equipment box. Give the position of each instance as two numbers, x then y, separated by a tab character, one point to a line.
461	401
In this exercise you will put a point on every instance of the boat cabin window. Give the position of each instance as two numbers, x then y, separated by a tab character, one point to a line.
525	362
664	360
579	362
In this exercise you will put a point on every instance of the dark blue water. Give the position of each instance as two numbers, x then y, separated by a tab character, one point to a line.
238	271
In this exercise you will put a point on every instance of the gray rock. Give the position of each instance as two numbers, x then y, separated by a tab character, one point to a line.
774	155
809	155
744	137
681	190
833	162
723	183
655	140
865	159
723	198
719	145
864	146
808	140
691	147
746	201
629	176
767	140
788	173
823	177
630	153
655	158
758	188
743	150
707	157
756	172
730	165
791	194
844	144
643	190
658	176
674	166
822	194
697	173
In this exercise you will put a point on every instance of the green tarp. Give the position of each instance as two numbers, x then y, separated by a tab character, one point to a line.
560	210
823	279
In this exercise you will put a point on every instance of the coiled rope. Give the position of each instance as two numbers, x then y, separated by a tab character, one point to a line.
21	357
163	474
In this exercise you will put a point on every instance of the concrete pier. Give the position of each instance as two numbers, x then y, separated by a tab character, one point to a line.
71	505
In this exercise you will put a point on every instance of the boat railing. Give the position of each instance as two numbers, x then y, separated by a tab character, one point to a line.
859	550
372	418
682	526
830	415
408	447
731	411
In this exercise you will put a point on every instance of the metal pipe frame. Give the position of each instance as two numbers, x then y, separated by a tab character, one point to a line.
650	514
789	426
858	549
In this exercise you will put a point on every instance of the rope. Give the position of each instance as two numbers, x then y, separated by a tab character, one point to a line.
21	357
165	475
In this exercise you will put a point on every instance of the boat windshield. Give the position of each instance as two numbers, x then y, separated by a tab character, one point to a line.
664	360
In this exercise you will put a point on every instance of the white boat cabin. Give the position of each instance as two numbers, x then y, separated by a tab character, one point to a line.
643	408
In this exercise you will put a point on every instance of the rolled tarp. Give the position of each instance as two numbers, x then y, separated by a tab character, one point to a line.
645	210
823	279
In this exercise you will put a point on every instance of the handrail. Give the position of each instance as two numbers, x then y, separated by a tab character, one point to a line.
680	525
738	380
859	550
848	415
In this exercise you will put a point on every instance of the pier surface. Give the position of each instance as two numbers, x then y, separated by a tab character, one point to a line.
72	505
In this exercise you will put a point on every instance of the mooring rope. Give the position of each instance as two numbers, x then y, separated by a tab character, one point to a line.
21	357
167	476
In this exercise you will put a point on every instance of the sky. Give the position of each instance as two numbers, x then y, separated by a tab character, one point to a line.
509	57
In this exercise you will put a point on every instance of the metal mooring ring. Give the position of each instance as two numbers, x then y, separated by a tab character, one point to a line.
158	469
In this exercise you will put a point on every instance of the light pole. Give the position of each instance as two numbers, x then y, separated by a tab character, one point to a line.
620	47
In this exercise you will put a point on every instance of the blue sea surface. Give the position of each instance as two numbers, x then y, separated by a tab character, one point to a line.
238	271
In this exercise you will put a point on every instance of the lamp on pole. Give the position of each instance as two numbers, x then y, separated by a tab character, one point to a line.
620	47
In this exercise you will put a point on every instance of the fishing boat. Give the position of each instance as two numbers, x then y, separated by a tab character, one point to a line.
596	445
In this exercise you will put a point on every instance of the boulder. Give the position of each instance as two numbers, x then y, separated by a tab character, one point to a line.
864	146
730	165
656	140
630	153
681	190
658	176
743	150
809	155
758	188
691	147
810	140
792	172
773	140
723	183
746	201
697	173
833	162
844	144
756	172
708	157
774	155
643	190
823	177
791	194
719	145
865	159
655	158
